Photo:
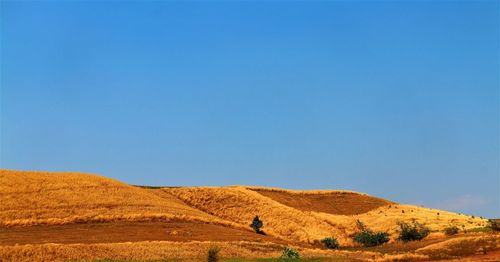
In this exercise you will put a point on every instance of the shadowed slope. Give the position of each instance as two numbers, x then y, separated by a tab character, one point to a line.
332	202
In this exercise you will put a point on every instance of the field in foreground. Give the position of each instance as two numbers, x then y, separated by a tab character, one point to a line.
74	216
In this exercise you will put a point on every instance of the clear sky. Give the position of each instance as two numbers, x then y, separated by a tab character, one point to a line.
396	99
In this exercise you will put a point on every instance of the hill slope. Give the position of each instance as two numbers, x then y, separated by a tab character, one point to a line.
60	198
241	205
301	216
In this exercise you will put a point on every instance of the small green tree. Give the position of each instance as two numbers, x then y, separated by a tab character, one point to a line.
257	225
412	232
330	242
290	253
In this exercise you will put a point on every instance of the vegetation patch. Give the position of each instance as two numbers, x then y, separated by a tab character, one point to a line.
368	238
290	253
330	242
213	254
411	232
451	230
494	225
256	225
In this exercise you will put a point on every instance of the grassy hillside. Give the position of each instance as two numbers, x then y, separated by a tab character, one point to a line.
60	198
241	205
288	214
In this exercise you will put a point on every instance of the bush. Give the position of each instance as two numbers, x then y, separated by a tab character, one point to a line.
451	230
213	254
289	252
257	224
412	232
330	242
368	238
494	224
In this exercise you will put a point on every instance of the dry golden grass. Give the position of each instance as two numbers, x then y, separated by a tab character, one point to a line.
178	251
387	218
240	204
462	246
402	257
30	198
154	250
384	218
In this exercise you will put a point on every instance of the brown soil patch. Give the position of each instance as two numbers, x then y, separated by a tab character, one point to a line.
126	232
341	203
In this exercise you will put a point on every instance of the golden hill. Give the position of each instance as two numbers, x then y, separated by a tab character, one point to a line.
240	205
303	216
30	198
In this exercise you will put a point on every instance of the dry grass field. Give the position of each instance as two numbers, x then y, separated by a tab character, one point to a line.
33	198
73	216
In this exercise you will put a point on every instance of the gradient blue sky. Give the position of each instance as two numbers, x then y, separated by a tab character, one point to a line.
396	99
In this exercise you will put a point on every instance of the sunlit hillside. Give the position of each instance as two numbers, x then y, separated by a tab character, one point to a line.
60	198
308	216
241	205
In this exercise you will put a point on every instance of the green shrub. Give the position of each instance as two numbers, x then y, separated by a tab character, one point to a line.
257	224
368	238
289	252
451	230
412	232
330	242
213	254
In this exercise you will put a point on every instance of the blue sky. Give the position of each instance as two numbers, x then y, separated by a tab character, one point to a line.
396	99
